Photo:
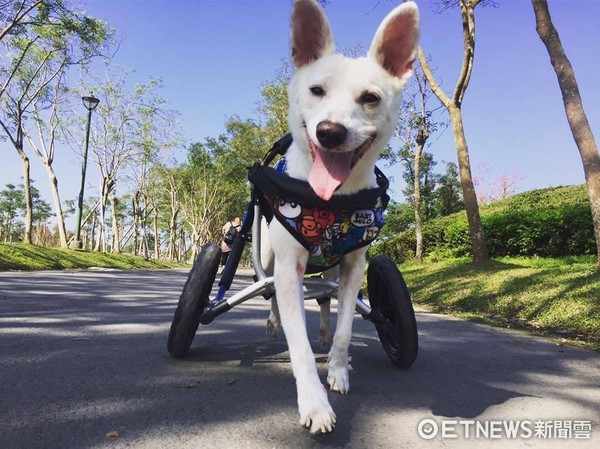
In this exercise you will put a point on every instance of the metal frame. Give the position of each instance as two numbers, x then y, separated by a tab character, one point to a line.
314	287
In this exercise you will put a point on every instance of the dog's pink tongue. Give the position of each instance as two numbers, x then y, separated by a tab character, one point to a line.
328	171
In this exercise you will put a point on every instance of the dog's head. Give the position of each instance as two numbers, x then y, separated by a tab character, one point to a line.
343	110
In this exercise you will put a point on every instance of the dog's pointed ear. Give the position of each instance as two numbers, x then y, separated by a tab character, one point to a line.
395	44
311	35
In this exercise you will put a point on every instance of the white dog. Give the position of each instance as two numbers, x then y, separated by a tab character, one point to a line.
342	114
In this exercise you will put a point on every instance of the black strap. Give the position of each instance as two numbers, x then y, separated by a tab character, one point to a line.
279	148
273	184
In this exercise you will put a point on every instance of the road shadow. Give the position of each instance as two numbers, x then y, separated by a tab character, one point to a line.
80	359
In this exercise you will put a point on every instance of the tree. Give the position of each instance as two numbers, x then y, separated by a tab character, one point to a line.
12	205
398	217
492	187
41	40
273	106
45	146
415	125
578	122
14	14
158	133
207	200
115	130
11	201
454	104
42	211
448	198
168	186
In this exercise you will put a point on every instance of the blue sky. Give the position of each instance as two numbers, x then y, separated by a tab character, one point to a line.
213	56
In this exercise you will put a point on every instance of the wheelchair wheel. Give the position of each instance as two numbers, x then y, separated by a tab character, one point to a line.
193	300
390	302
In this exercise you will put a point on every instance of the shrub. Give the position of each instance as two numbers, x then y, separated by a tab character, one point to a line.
553	222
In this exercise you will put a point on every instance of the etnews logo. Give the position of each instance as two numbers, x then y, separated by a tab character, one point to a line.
429	429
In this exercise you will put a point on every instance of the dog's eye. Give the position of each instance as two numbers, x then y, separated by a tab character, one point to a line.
317	91
369	98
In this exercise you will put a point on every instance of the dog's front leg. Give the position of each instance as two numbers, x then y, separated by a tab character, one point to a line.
325	333
290	265
352	268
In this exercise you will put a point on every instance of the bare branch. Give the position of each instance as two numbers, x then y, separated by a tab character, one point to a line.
17	65
435	87
20	14
468	21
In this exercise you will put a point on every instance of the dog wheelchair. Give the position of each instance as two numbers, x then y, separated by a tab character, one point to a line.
389	305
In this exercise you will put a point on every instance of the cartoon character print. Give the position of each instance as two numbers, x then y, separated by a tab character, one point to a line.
328	254
345	225
329	235
324	218
309	228
288	209
354	236
370	233
316	256
332	232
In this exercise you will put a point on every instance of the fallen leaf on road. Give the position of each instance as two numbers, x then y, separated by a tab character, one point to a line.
113	434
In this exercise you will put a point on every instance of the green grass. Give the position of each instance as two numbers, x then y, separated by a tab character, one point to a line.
557	297
32	257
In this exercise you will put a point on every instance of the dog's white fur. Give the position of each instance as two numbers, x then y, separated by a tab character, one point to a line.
344	81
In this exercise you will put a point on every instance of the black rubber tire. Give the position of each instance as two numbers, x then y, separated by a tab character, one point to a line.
388	295
193	300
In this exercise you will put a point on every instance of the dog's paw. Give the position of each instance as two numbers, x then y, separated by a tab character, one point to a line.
326	337
315	412
338	379
273	327
320	422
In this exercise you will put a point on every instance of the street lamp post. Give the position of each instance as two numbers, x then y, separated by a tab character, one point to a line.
90	103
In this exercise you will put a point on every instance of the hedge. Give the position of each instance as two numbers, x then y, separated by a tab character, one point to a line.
552	222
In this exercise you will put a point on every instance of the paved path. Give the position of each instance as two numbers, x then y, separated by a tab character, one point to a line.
83	354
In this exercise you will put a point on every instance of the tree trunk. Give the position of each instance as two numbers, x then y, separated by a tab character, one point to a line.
143	251
116	238
156	241
453	105
578	122
182	247
27	189
480	252
143	244
101	240
93	230
173	235
60	218
418	220
135	205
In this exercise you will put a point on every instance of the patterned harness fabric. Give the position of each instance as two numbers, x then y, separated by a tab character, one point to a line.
327	232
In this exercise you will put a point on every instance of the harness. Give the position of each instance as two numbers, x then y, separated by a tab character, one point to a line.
327	229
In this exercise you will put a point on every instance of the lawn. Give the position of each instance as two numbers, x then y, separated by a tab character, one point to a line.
559	297
32	257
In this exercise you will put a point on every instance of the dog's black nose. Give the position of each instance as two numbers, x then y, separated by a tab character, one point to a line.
331	134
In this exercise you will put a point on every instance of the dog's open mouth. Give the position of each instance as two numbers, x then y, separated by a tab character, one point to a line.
331	168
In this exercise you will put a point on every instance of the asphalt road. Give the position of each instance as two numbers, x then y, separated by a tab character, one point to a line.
83	364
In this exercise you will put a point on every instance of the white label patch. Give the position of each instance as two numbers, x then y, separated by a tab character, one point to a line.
363	218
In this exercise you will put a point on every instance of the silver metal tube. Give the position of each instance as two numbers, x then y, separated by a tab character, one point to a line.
362	308
256	262
318	288
259	287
